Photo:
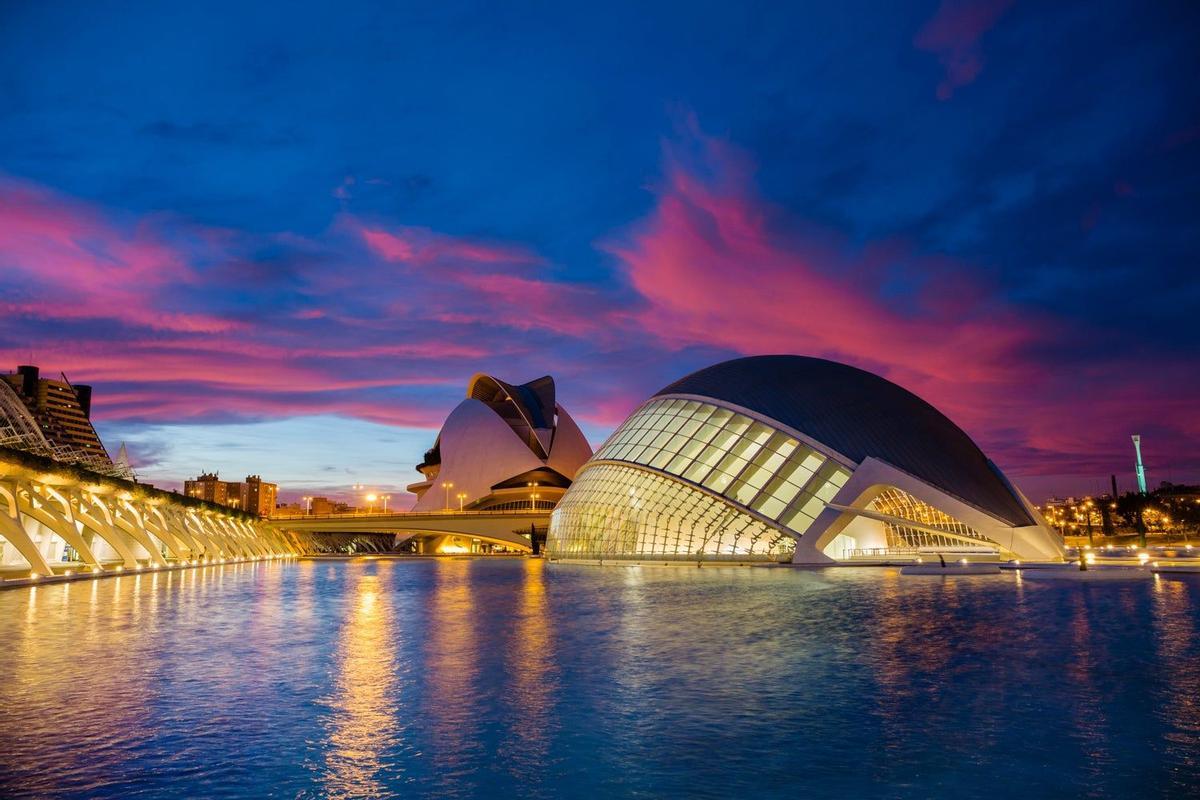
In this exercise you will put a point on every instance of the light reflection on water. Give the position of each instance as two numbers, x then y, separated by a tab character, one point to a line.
517	678
364	724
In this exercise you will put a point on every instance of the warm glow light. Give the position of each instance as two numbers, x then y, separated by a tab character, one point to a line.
33	576
1143	557
371	498
1089	558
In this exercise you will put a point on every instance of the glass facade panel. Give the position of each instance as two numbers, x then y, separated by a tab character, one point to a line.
749	463
615	512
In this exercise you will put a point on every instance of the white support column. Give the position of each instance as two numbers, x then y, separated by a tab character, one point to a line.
250	537
195	527
95	517
227	547
235	536
14	531
127	519
150	520
36	506
172	518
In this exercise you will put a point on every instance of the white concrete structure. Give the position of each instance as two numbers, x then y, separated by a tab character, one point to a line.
791	458
437	531
59	519
496	444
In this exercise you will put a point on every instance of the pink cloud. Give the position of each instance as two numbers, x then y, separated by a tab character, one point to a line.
68	262
953	35
423	247
720	267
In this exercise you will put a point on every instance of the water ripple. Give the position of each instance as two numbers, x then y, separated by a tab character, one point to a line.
460	678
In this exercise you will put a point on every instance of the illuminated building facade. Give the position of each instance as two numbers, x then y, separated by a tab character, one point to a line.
776	458
505	447
253	494
51	417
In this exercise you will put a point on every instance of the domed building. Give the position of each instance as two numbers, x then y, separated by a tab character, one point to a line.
788	458
504	447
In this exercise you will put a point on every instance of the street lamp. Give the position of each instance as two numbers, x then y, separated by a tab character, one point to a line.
385	497
447	485
307	505
371	498
461	496
532	485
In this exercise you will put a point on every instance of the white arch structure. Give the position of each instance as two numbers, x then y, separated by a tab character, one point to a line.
110	525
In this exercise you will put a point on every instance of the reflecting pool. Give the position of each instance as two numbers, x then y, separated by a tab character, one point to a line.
517	678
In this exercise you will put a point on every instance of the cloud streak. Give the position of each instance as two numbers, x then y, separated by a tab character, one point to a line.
953	34
383	322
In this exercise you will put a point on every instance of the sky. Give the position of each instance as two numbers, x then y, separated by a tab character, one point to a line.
279	238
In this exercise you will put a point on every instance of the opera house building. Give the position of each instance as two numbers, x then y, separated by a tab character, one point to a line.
506	446
788	458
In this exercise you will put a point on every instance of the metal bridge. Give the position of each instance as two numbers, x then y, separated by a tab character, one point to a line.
509	528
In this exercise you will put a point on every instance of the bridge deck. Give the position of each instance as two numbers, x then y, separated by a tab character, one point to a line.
505	527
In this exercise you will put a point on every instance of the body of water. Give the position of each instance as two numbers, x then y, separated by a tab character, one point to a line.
518	678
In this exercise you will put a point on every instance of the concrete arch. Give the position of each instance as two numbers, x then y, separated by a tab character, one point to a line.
42	511
175	521
229	545
150	521
101	525
210	548
242	530
14	532
131	523
1034	542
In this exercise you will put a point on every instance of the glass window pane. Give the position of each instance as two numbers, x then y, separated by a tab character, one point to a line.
797	521
720	416
696	471
742	492
813	507
768	506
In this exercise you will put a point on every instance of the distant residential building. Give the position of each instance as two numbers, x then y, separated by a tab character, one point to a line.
253	494
208	487
258	496
323	505
62	413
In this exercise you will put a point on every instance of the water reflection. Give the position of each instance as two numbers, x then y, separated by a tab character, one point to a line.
532	684
54	665
1175	632
452	672
454	679
363	726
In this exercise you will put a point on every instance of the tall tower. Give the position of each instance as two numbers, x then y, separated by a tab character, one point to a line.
1141	471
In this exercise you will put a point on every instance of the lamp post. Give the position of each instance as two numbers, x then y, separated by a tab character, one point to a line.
461	496
532	487
371	498
307	505
385	497
447	486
